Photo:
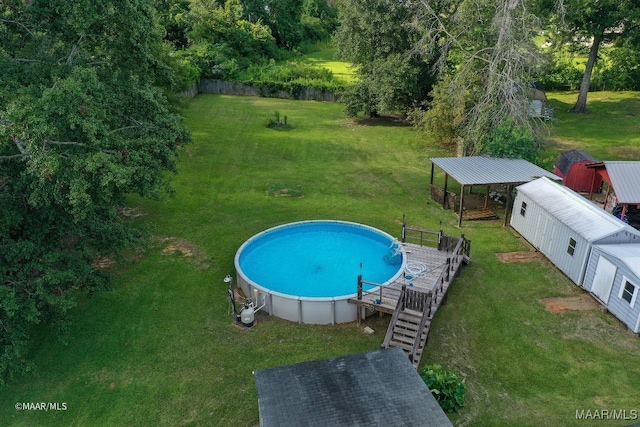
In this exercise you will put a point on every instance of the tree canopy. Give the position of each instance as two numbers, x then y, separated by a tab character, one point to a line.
486	58
82	124
594	23
376	37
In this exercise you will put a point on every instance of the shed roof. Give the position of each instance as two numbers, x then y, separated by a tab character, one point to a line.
479	170
374	388
628	253
568	158
582	216
625	179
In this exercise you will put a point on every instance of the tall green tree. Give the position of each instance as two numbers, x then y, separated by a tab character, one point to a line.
82	124
284	20
592	23
377	38
319	20
222	41
283	17
173	18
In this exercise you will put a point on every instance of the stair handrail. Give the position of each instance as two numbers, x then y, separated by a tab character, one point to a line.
394	317
423	322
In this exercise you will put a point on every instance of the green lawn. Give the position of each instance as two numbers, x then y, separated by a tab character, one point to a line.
326	58
159	349
610	131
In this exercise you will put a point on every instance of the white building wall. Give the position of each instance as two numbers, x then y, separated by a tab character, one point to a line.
551	237
555	214
619	307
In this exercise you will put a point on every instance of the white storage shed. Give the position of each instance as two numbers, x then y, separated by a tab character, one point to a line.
613	278
564	226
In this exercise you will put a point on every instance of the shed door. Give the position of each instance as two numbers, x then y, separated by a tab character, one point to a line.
603	279
544	235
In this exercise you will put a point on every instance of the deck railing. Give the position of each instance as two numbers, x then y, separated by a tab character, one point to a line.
436	239
421	237
361	292
459	254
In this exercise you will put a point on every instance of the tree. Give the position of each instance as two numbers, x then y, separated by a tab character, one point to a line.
222	41
594	22
173	18
284	20
82	124
283	17
376	37
319	20
486	49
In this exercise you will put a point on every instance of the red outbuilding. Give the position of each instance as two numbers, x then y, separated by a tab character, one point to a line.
572	167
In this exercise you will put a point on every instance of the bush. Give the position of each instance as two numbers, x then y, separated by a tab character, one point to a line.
511	141
293	77
445	386
563	75
276	122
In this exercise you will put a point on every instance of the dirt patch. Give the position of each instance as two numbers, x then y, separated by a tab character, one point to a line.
580	303
185	248
130	212
524	256
284	190
103	263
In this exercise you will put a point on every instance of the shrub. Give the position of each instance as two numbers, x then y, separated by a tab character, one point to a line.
445	386
276	122
293	77
511	141
562	75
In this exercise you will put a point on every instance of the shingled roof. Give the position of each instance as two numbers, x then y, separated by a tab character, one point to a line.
376	388
567	158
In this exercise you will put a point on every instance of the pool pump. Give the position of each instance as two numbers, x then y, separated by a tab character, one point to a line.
246	316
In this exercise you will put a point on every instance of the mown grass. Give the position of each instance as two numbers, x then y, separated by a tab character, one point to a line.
610	131
326	58
160	349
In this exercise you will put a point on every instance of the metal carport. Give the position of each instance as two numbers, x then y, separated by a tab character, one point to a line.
480	170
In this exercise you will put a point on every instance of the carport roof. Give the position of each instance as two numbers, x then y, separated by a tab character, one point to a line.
479	170
623	177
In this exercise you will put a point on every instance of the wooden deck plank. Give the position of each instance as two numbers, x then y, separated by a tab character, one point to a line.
477	214
423	268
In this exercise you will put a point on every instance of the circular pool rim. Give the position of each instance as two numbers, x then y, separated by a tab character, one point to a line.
305	309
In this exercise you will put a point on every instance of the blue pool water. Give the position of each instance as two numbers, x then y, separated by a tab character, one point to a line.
317	258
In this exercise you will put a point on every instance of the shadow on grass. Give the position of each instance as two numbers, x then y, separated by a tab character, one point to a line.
387	121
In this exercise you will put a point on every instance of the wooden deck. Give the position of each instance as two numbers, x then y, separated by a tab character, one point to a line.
428	274
427	270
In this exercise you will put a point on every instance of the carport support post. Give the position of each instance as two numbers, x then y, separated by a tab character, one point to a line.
444	197
461	203
486	197
507	209
432	170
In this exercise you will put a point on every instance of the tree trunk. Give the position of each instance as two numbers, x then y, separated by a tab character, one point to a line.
581	103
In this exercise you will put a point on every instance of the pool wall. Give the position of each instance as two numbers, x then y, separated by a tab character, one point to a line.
323	311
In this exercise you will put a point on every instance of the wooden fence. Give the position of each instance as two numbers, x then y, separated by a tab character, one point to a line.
223	87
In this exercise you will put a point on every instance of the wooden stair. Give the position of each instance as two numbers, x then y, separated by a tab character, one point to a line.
409	325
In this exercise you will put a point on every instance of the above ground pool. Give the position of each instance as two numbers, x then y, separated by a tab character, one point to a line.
305	271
